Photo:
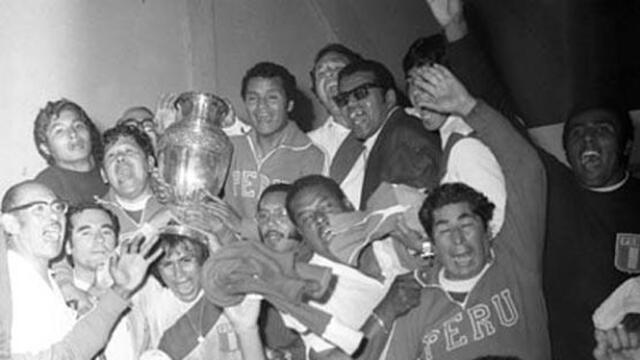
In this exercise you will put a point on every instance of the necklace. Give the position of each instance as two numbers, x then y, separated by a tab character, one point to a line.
198	330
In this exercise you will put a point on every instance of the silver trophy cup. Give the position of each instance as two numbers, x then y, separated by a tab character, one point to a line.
194	153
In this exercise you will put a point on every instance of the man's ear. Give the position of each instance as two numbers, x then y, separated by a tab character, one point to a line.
390	98
45	149
103	175
290	104
10	223
347	204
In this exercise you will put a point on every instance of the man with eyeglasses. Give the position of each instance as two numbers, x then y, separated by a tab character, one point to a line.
142	118
397	148
42	326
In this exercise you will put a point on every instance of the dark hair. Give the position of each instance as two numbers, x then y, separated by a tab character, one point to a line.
425	50
622	122
336	48
51	111
382	75
453	193
9	198
77	209
117	132
277	187
169	242
269	70
311	181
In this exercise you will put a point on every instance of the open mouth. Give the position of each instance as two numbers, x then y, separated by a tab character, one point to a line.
590	157
273	236
52	232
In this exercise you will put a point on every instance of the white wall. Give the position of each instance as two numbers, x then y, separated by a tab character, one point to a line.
109	55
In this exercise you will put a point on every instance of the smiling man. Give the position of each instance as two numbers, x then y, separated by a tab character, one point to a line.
275	150
324	83
177	319
43	327
397	148
594	209
92	236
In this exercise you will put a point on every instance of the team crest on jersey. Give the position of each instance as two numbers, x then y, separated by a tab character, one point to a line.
628	252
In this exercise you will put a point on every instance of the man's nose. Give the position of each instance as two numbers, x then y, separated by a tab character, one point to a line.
457	236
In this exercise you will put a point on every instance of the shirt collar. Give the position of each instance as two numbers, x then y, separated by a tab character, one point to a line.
454	124
613	187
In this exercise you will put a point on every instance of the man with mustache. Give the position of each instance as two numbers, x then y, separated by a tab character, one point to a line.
43	327
70	142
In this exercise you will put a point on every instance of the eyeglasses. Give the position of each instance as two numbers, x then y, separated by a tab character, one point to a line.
359	93
264	216
40	207
146	123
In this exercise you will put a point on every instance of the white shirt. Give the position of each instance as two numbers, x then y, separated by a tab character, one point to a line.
329	137
353	182
40	316
156	309
471	162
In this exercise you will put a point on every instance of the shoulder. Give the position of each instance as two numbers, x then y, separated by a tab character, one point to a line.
405	126
48	174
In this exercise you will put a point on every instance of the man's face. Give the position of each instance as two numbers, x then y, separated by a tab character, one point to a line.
367	105
593	148
267	105
326	78
93	238
310	209
127	167
68	138
461	241
431	120
181	272
40	228
275	228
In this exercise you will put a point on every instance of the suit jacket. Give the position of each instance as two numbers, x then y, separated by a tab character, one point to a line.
404	153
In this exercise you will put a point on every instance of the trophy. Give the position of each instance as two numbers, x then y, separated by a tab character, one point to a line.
194	153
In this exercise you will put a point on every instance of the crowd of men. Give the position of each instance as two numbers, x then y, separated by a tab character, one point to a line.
513	253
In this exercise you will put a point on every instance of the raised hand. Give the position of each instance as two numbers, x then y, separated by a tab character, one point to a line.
445	11
449	15
129	268
245	315
223	211
441	91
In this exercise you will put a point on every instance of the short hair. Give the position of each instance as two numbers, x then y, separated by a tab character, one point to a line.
269	70
454	193
311	181
169	242
277	187
336	48
382	75
117	132
425	50
9	198
77	209
623	123
51	111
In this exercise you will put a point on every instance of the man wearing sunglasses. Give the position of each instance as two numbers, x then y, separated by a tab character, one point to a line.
397	148
42	326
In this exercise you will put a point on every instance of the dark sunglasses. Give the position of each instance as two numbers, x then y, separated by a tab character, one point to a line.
56	206
358	93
